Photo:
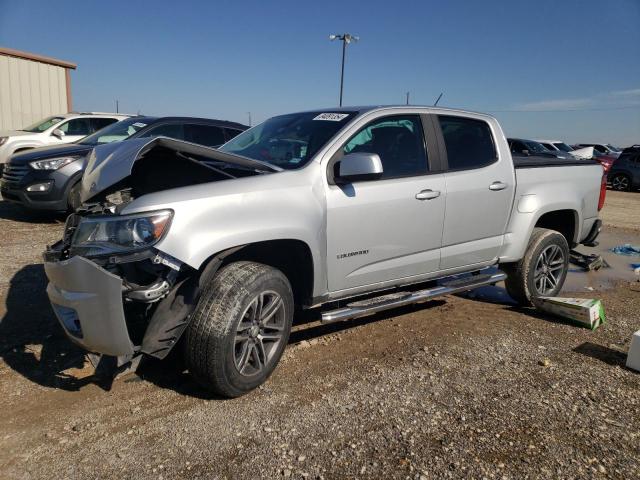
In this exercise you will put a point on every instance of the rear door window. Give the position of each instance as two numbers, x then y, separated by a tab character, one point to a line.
398	140
171	130
207	135
77	126
468	141
100	123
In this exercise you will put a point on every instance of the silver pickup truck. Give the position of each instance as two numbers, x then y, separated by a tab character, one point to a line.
351	211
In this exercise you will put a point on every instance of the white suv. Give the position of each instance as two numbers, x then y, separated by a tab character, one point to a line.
64	128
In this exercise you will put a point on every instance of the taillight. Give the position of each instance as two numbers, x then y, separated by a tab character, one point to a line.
603	191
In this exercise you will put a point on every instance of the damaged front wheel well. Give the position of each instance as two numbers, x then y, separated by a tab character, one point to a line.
291	257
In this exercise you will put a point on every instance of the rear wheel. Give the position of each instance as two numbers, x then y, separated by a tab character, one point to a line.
542	270
240	328
621	182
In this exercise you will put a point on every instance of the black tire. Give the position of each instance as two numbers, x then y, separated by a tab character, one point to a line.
621	182
73	201
524	282
214	354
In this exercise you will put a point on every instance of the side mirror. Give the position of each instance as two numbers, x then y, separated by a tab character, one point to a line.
359	166
58	133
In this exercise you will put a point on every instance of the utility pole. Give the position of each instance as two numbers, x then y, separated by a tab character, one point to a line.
345	38
408	97
117	106
249	113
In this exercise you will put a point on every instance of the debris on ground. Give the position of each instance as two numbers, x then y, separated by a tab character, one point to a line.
588	262
627	249
633	357
587	312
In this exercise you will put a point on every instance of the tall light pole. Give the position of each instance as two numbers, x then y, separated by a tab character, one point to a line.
345	38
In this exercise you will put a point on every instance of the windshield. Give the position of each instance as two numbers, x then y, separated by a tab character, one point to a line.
43	125
288	141
115	132
563	146
612	148
535	147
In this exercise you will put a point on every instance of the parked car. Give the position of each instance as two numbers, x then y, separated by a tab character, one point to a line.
604	148
561	147
632	148
55	130
606	161
49	178
356	205
625	172
520	146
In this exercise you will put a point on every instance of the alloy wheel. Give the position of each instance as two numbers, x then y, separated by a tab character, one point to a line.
620	182
549	269
259	333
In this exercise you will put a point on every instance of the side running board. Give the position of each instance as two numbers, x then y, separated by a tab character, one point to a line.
400	299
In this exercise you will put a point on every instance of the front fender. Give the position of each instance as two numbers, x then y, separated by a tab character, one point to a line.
213	217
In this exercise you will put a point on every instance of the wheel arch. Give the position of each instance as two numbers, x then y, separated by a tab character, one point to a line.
565	221
292	257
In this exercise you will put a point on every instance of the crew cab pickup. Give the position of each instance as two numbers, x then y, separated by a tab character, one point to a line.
349	211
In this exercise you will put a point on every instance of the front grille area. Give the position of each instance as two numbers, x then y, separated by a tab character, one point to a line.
14	173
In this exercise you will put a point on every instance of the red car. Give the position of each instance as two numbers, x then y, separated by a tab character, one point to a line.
605	160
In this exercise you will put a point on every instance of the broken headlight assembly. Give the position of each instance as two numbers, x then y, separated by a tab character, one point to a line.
106	235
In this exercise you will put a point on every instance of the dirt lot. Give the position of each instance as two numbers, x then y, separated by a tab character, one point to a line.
462	387
622	209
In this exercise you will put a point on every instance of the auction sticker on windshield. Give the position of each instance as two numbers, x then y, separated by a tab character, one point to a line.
332	117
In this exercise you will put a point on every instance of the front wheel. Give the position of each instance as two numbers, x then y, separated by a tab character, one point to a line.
542	270
240	328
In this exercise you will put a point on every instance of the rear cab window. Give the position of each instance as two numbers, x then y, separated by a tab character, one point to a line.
468	141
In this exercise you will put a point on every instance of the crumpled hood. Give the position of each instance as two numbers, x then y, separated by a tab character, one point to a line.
110	163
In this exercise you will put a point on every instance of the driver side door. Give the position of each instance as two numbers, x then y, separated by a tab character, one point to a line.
74	129
387	229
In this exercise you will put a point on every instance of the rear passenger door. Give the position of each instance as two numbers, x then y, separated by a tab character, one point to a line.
480	186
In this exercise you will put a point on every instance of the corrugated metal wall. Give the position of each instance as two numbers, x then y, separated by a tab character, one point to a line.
29	91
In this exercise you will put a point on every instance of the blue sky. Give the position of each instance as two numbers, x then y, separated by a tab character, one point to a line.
561	69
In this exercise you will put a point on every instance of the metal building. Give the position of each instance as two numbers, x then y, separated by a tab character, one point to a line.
32	87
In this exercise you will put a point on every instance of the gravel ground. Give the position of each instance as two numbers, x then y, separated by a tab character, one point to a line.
461	387
622	210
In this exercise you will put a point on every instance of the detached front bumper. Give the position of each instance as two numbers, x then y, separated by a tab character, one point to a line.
87	300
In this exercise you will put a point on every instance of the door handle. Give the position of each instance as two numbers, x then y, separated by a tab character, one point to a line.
495	186
427	194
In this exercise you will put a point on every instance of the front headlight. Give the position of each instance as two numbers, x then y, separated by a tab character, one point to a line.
117	234
52	163
3	140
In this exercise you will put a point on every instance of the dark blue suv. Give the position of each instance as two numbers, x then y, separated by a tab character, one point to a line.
48	178
625	171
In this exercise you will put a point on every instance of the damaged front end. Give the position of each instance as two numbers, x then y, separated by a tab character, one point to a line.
123	301
113	291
